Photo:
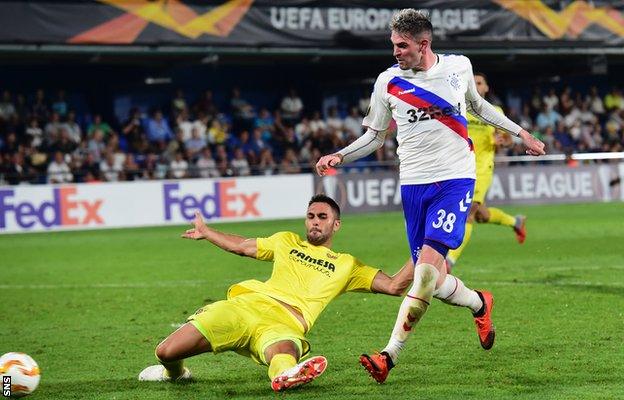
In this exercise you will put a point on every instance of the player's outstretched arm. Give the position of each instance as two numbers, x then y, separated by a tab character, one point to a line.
396	284
370	141
228	242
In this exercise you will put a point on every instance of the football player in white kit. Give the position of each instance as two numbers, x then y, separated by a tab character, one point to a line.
427	94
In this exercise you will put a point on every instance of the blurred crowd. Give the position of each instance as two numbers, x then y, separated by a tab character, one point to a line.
569	121
42	140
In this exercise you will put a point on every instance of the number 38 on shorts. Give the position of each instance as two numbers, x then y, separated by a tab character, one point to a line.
437	212
445	220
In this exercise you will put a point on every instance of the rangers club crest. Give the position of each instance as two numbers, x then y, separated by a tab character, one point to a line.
453	80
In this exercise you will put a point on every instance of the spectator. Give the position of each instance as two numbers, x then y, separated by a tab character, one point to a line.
96	145
64	144
178	104
222	160
72	127
536	101
132	130
7	108
258	143
596	105
317	124
131	171
264	122
109	168
184	124
306	152
11	145
614	101
59	105
364	102
18	171
334	121
195	144
266	165
206	164
58	170
173	147
291	107
205	105
39	108
353	124
549	138
242	112
240	165
90	167
157	129
178	166
303	129
566	102
217	134
563	136
51	131
551	101
35	133
98	123
547	117
290	164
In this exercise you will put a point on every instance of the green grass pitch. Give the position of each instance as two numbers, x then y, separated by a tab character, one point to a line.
91	306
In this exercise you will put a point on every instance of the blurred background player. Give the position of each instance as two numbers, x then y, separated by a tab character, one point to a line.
267	321
485	139
427	94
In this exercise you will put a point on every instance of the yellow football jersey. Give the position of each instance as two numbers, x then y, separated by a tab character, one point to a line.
305	276
482	136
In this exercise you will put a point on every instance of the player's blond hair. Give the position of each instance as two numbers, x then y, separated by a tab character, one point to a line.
410	22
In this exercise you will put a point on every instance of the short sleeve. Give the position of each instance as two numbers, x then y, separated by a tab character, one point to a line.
379	114
361	278
266	246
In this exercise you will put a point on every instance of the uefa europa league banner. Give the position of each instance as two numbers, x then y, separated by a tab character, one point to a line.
337	24
381	191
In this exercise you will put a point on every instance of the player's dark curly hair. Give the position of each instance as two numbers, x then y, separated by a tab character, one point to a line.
321	198
411	22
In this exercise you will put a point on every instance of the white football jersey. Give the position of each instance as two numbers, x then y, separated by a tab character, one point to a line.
429	108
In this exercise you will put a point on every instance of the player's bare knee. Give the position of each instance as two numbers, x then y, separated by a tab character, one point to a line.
282	347
165	352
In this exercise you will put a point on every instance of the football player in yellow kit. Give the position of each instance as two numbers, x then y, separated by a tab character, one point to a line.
267	321
485	139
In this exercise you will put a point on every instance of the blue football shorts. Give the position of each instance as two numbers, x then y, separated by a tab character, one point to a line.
435	214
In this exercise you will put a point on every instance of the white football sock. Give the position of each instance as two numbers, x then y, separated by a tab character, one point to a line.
454	292
413	307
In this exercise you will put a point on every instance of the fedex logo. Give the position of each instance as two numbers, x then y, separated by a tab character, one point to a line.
63	210
223	201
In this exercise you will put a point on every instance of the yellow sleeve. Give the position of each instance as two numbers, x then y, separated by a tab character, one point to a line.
266	246
361	278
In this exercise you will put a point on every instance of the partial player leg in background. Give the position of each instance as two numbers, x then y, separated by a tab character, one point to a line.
499	217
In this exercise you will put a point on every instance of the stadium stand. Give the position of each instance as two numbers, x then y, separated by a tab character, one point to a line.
44	140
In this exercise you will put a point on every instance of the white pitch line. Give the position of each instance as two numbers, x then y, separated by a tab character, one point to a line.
136	285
